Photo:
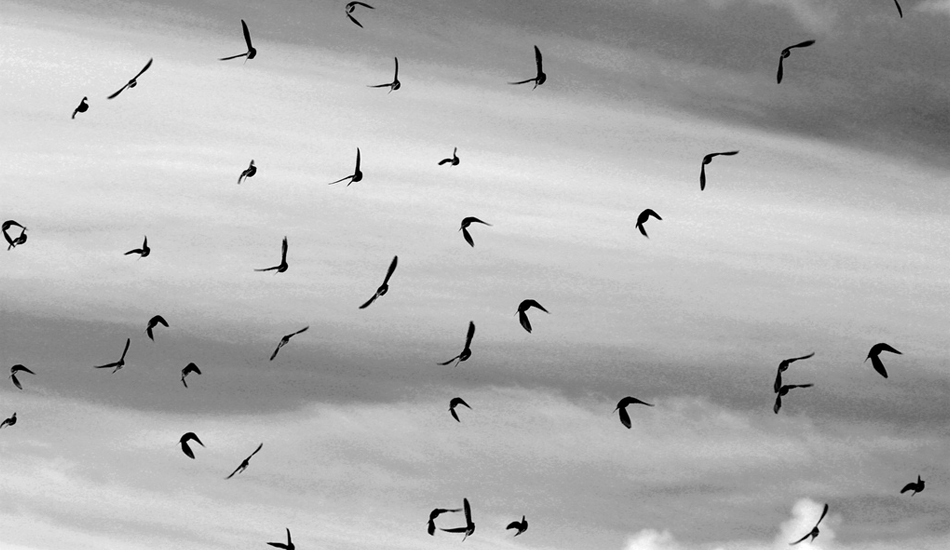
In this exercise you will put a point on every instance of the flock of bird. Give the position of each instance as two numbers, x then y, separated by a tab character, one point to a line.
780	389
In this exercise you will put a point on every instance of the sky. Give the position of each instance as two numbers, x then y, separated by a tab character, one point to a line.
827	233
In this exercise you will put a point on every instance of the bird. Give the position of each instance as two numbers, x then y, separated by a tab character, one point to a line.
383	288
83	107
469	528
250	53
899	10
783	390
787	51
522	312
706	160
157	320
783	366
642	219
244	463
814	530
454	160
18	368
132	83
285	340
189	368
12	243
190	436
622	407
142	252
521	526
283	260
247	173
430	526
541	77
352	6
288	546
915	487
121	362
464	228
8	422
394	85
467	350
357	174
874	354
455	402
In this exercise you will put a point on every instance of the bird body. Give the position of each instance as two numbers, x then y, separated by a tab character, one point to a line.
82	108
8	422
383	288
288	546
464	228
523	307
915	487
250	53
285	340
467	350
185	448
540	77
706	160
152	323
248	172
521	526
282	267
874	356
788	51
15	369
189	368
622	407
642	219
455	402
121	362
395	84
132	83
142	252
357	174
454	160
814	531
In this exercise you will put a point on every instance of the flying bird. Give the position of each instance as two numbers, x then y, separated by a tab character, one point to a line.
874	354
121	362
622	407
469	528
283	260
12	243
522	312
899	10
285	340
383	288
189	368
132	83
783	366
83	107
464	229
152	323
455	402
642	219
915	487
245	463
142	252
706	160
521	526
454	160
250	53
190	436
248	172
430	526
18	368
814	531
357	174
8	422
783	390
394	85
467	350
352	6
541	77
288	546
787	51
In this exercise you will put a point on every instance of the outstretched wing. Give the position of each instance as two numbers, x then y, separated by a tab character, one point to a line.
455	416
468	237
702	177
825	511
354	20
514	525
16	382
804	44
878	365
624	417
397	69
532	303
471	333
778	404
468	511
524	81
280	345
283	251
525	323
186	449
799	540
899	10
159	319
226	58
909	487
358	153
247	35
255	451
392	268
368	302
449	361
113	96
127	342
145	68
778	78
537	58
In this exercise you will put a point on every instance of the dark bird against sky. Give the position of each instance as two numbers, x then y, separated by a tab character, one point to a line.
284	340
357	174
142	252
523	308
455	402
874	356
394	85
121	362
899	10
352	6
8	422
521	526
245	463
185	448
132	83
288	546
916	487
467	350
248	172
783	366
464	228
430	525
383	288
540	77
783	390
706	160
282	266
250	53
152	323
622	407
189	368
788	51
15	369
642	219
454	160
82	108
814	531
11	242
469	528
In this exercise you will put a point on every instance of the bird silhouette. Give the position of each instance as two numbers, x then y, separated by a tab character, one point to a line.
915	487
541	77
157	320
8	422
874	354
82	108
622	407
282	267
288	546
469	528
783	390
250	53
185	448
788	51
285	340
383	288
18	368
455	402
352	6
189	368
357	174
467	350
642	219
132	83
142	252
814	530
706	160
394	85
245	463
521	526
121	362
430	526
248	172
11	242
522	312
454	160
899	10
783	366
464	228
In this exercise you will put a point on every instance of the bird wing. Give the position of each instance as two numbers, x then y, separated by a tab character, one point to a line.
392	268
793	386
134	251
468	511
649	212
624	417
396	77
778	78
339	180
21	368
532	303
145	68
909	487
255	451
450	360
368	302
358	154
792	360
234	472
289	542
899	10
110	365
280	345
778	381
633	401
16	382
823	512
430	528
186	449
726	153
778	404
804	44
524	81
537	58
799	540
247	35
454	529
183	379
642	230
460	401
702	177
227	58
468	237
127	342
445	161
283	251
113	96
884	347
362	4
476	220
878	365
454	415
353	19
525	323
471	334
268	268
304	329
514	525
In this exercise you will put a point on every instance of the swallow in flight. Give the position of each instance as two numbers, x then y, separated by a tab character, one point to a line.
464	229
352	6
394	85
250	53
788	51
142	252
248	172
152	323
83	107
874	354
455	402
521	526
283	260
357	174
132	83
706	160
189	368
467	350
121	362
454	160
383	288
18	368
285	340
245	463
185	448
523	307
541	77
622	407
814	531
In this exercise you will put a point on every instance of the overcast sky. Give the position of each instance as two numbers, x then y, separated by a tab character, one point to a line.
827	233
